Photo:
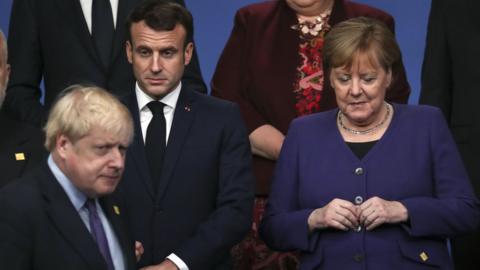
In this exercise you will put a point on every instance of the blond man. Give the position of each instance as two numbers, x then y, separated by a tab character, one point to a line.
60	216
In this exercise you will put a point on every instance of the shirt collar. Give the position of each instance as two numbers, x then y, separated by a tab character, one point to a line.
169	100
77	198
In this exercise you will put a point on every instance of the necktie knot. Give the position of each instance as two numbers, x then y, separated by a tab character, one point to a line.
91	206
156	107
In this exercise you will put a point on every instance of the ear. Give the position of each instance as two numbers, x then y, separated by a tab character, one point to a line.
389	78
188	53
331	79
62	145
129	50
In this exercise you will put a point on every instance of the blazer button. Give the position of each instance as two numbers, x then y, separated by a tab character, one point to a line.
158	209
358	229
358	171
358	257
358	200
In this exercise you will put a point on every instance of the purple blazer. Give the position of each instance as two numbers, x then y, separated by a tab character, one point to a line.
257	69
416	162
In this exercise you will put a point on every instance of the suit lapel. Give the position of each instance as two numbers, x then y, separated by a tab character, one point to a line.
73	14
67	221
137	148
182	121
113	213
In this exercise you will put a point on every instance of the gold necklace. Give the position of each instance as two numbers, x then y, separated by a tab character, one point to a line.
367	131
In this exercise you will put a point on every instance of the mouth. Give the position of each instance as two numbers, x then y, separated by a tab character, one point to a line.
156	81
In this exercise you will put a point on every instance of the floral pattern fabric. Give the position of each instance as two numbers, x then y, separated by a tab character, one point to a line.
308	86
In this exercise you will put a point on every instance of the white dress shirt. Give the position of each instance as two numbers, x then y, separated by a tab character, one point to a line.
87	12
170	101
78	200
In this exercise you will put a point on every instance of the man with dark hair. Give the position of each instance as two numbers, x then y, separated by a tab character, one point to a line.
68	42
20	145
188	179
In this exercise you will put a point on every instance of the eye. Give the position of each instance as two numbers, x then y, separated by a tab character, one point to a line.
101	149
144	52
169	53
369	79
122	149
343	78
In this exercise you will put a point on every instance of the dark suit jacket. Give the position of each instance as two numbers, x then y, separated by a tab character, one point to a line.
17	138
203	205
416	163
50	38
41	230
450	81
257	69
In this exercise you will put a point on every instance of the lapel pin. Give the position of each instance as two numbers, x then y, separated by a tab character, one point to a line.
187	108
116	209
423	256
19	156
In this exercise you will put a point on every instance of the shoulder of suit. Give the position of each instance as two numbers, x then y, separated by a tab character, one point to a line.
19	132
213	102
356	10
260	10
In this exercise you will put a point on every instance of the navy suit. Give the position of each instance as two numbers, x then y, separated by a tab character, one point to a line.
41	230
21	148
450	75
50	38
415	162
203	205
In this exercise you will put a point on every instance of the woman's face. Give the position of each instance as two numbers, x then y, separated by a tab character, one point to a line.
308	7
360	89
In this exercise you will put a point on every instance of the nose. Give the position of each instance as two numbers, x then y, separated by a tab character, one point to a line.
355	88
156	64
117	159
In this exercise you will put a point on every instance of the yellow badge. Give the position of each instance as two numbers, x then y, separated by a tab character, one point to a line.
116	210
424	256
19	156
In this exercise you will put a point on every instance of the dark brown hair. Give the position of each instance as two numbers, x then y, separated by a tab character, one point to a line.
161	15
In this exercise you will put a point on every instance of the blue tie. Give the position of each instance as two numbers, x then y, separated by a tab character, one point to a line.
98	233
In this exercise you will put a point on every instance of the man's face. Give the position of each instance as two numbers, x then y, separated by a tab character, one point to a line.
94	163
158	58
4	72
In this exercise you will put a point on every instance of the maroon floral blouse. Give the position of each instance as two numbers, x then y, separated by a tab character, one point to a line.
308	85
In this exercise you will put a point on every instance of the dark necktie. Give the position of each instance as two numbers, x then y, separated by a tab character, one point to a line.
102	29
96	229
155	143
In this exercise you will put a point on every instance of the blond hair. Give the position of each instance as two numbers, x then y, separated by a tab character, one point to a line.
80	108
361	35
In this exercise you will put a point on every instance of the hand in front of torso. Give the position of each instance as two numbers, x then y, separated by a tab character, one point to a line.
344	215
377	211
338	214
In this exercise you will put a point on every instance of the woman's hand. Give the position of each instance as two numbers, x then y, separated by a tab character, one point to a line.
338	214
376	211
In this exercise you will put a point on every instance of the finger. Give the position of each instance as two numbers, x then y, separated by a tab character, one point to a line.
351	218
374	224
370	218
338	225
344	221
365	214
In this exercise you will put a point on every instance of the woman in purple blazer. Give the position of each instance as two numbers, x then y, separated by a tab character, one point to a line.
370	185
272	67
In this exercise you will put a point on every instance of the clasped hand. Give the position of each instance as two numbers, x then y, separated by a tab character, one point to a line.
344	215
